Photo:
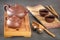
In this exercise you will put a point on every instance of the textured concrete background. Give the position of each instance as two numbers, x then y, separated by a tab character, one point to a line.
35	36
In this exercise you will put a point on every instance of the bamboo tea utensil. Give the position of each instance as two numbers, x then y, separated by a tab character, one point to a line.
50	8
34	23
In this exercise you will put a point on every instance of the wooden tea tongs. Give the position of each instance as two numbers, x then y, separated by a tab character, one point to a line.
51	9
36	25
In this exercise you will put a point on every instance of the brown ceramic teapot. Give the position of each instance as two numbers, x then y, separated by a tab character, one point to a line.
15	14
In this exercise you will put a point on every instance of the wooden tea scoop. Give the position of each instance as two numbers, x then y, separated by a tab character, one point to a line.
37	25
50	8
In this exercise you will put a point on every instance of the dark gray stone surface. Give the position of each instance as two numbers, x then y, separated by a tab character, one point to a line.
35	36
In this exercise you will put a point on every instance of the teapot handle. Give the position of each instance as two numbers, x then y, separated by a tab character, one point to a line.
6	6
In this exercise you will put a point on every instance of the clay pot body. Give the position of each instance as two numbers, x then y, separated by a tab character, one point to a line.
15	15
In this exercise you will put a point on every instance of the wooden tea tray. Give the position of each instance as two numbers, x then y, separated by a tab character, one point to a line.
35	12
24	29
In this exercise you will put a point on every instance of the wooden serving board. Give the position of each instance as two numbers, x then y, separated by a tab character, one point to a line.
24	29
35	12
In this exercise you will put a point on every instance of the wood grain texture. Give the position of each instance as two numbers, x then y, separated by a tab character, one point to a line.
35	12
24	29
